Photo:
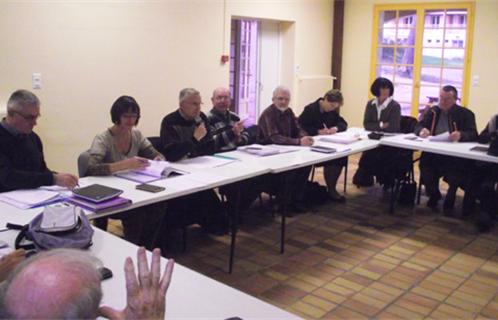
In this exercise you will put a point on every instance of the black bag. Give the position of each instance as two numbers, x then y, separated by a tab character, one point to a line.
315	194
408	190
493	144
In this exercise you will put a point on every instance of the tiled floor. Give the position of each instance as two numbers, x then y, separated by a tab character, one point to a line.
354	261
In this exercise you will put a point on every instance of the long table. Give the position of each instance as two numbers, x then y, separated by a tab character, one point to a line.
454	149
190	295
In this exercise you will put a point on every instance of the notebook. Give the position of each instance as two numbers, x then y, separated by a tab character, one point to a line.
99	207
96	193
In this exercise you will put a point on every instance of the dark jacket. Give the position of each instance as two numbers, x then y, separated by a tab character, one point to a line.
279	127
391	114
177	138
22	165
461	119
220	125
492	126
312	119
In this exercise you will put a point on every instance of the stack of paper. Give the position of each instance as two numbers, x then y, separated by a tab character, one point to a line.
29	198
263	151
340	138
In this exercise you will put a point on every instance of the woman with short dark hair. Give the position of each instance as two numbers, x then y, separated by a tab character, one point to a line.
382	113
123	147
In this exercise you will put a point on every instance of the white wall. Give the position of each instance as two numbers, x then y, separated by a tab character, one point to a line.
89	53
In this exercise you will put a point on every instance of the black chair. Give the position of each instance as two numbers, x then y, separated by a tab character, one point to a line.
402	167
170	224
83	160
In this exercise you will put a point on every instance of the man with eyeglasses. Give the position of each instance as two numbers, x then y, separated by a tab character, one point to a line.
185	133
22	164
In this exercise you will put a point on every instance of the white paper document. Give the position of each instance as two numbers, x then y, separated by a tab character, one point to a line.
341	137
443	137
200	163
268	150
29	198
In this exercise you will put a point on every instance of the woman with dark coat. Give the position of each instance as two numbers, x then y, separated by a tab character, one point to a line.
382	113
322	117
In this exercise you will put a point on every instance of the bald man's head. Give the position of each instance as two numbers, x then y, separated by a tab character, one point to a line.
221	99
60	283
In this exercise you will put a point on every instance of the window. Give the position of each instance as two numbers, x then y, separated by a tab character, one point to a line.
421	57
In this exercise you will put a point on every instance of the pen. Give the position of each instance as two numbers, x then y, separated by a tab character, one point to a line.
324	126
455	126
253	148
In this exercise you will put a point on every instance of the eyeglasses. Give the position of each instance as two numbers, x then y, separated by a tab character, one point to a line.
28	117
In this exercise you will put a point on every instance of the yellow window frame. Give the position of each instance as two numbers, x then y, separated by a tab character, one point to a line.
417	63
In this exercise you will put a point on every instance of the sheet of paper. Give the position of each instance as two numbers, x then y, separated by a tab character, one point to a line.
29	198
199	163
443	137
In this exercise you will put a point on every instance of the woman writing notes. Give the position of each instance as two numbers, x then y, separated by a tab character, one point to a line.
123	147
322	117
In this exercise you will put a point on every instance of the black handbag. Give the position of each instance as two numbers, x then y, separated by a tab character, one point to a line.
408	190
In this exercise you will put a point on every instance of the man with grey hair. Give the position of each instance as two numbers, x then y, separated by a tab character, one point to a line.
185	133
65	283
279	125
22	164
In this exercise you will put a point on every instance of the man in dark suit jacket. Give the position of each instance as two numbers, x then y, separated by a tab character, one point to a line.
460	123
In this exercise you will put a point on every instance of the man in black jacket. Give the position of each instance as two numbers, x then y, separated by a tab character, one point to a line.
185	133
461	125
22	164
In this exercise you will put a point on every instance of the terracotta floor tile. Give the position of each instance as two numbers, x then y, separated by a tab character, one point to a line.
329	296
361	307
344	313
309	310
315	281
491	310
380	295
388	259
429	293
341	281
366	273
467	305
453	312
403	313
343	291
319	302
299	284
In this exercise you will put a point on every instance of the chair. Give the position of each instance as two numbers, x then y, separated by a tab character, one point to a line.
156	143
403	168
312	178
83	160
